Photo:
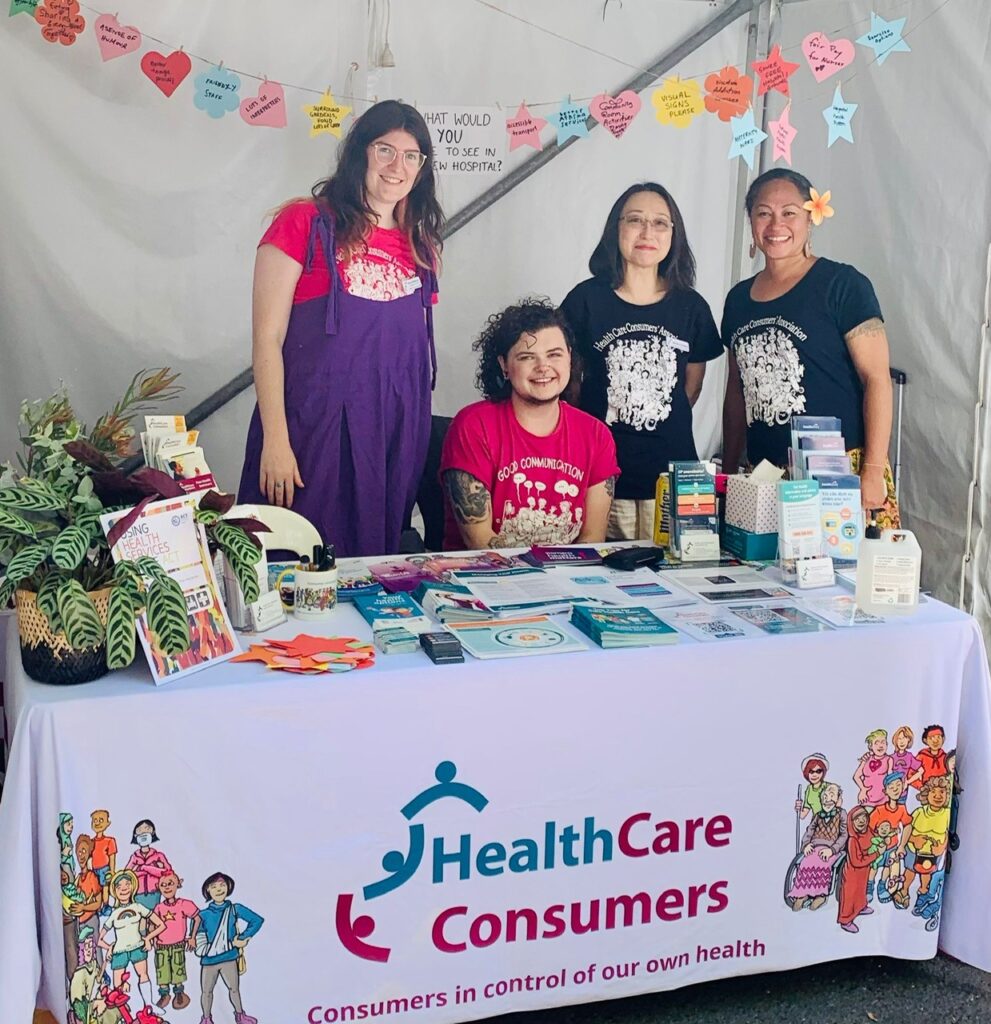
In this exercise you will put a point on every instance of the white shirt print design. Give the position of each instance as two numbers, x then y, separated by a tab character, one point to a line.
642	374
537	517
771	373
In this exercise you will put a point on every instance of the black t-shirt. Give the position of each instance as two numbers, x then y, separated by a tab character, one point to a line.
634	361
793	356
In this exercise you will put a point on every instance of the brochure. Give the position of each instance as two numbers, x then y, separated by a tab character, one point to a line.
707	624
696	579
385	611
167	532
514	638
542	557
842	610
353	578
520	589
623	627
450	602
779	619
618	587
765	593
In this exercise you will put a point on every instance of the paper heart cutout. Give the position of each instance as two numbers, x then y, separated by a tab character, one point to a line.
113	38
615	113
166	72
267	109
826	56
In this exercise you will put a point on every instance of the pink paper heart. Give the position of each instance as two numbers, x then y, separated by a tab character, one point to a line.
114	38
166	72
826	56
615	113
268	108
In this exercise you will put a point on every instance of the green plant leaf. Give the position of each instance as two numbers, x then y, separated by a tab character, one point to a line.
120	628
47	599
80	620
24	563
10	520
70	547
149	567
6	592
236	543
36	497
167	616
247	578
207	516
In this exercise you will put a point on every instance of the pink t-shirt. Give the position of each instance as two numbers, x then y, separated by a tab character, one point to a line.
382	270
538	484
174	916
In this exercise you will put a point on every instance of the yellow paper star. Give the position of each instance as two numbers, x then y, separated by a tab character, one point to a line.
327	116
819	206
678	102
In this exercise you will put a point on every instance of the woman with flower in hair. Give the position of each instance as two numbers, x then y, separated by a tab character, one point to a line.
805	336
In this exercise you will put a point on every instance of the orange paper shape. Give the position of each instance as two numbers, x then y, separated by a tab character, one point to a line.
60	21
259	652
819	206
305	646
728	93
774	72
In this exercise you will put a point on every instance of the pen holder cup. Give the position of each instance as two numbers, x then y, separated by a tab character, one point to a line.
314	593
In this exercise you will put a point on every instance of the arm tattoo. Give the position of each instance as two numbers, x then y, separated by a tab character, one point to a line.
610	486
469	497
867	327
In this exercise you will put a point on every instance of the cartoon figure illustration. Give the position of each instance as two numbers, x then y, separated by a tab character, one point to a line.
71	896
111	1006
64	834
130	946
957	789
88	883
84	981
853	877
814	768
220	945
872	768
147	863
924	843
810	877
888	823
904	761
181	919
932	756
104	853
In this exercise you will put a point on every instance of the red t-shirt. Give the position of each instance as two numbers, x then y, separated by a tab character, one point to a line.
382	270
538	484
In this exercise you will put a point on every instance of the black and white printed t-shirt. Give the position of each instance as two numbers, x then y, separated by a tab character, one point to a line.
793	356
634	359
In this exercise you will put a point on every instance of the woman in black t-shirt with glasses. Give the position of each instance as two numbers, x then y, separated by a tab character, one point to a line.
643	336
805	337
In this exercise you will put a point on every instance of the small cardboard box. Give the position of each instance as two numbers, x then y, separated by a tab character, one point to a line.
752	505
751	547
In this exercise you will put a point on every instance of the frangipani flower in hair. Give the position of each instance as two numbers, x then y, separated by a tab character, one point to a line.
819	206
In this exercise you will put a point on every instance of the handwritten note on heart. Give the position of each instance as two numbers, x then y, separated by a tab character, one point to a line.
826	56
267	109
615	113
115	39
166	72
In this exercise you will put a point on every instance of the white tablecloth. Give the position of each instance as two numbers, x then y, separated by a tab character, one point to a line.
625	819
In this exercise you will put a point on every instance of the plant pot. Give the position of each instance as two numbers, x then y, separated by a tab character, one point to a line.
49	657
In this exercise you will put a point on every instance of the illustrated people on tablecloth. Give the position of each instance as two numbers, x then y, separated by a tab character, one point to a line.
854	873
84	982
904	761
220	944
823	841
181	918
85	913
924	844
872	769
134	927
888	823
64	834
932	756
71	896
147	863
956	790
104	853
814	768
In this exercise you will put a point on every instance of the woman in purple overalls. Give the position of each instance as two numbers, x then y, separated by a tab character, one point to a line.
343	350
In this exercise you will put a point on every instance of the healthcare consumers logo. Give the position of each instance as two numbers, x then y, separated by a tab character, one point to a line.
552	847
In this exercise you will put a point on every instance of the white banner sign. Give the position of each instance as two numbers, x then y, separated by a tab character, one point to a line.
467	140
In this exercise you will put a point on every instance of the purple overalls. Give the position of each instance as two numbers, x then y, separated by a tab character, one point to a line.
358	377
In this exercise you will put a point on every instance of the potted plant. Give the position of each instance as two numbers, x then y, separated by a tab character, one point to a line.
76	608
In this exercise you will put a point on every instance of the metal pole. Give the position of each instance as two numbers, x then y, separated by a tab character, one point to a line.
668	60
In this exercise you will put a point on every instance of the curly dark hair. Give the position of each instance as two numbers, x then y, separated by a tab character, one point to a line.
503	330
343	192
800	182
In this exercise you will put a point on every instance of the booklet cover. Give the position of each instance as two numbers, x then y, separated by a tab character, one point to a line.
353	578
842	610
708	624
779	619
544	556
384	611
450	602
167	532
619	587
623	627
519	589
514	638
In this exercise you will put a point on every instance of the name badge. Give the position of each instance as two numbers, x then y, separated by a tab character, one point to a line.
411	284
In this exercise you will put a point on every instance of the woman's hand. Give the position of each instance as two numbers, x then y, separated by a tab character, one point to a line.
279	476
873	488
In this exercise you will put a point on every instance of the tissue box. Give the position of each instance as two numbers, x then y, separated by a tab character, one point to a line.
752	505
751	547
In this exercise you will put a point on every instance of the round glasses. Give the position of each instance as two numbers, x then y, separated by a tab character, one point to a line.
385	154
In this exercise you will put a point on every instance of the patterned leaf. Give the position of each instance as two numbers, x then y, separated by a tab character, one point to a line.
89	521
167	616
38	498
247	579
6	592
80	620
26	561
16	524
207	516
120	628
70	547
236	544
149	567
47	600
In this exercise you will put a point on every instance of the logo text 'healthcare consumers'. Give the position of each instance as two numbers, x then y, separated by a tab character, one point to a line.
554	846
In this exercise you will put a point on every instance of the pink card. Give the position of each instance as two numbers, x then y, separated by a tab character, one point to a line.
267	109
115	39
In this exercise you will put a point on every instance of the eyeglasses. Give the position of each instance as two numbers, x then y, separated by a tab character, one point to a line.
637	222
385	154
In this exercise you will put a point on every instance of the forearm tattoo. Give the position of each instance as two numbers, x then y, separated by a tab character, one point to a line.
469	497
611	487
867	327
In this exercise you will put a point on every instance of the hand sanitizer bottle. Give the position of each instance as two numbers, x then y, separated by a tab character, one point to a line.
888	568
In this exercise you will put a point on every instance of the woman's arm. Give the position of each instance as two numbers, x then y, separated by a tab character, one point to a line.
598	501
471	503
694	375
867	344
734	418
276	275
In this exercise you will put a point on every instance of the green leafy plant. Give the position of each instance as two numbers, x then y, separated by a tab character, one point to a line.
51	541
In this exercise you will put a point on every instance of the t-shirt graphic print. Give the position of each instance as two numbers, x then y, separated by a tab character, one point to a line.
771	370
642	373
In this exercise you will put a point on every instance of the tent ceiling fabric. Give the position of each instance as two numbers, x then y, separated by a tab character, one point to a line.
131	220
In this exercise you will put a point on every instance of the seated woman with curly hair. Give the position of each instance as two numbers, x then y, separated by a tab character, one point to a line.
523	467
